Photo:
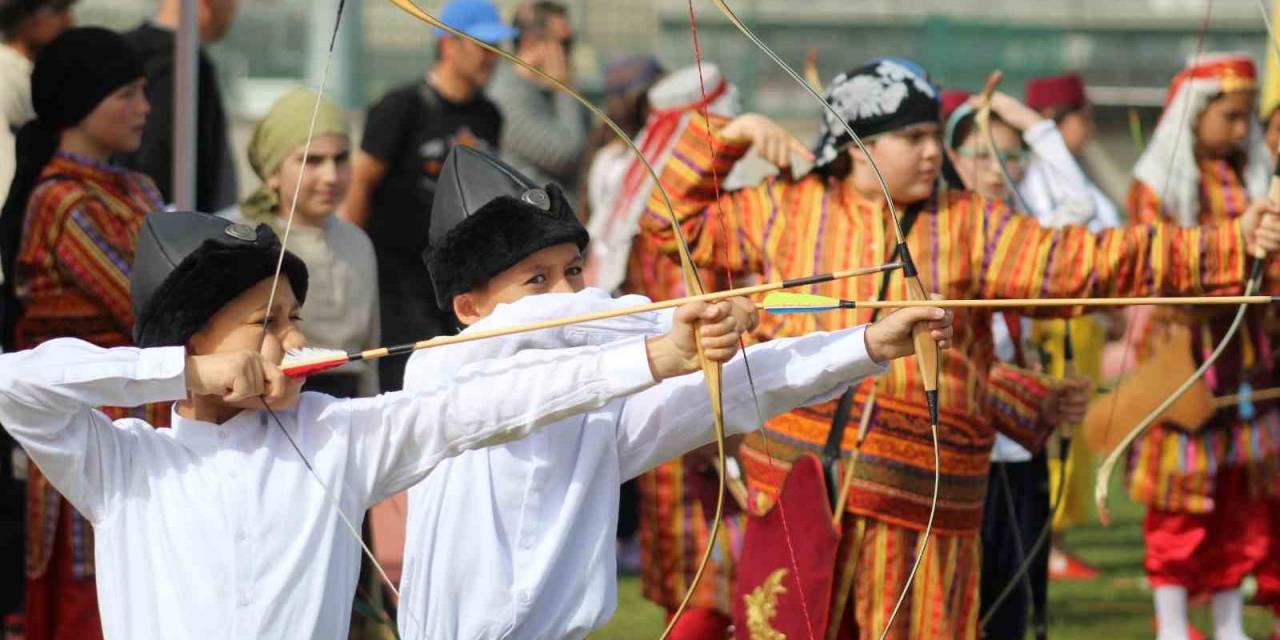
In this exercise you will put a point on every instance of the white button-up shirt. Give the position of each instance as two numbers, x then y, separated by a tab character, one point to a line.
1057	189
218	530
517	541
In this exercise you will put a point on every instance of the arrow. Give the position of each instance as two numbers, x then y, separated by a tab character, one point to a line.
785	303
305	362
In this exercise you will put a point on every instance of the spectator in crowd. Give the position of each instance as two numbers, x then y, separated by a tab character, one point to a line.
215	169
72	274
407	135
605	159
25	27
343	309
545	129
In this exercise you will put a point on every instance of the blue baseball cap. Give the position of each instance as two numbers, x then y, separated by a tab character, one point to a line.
476	18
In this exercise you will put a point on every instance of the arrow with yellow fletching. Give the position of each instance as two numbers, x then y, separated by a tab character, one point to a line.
788	303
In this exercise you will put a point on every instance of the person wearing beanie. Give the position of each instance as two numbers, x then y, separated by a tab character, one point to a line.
26	26
966	246
224	525
518	540
1054	183
67	233
344	310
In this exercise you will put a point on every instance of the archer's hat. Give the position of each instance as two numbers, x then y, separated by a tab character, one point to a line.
486	217
1056	92
188	265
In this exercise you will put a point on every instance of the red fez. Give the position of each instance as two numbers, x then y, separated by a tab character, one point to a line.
1066	91
951	100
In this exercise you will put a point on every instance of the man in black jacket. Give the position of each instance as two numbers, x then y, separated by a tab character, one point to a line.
215	172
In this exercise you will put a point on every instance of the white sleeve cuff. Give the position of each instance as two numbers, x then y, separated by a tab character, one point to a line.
1037	132
849	355
163	374
625	365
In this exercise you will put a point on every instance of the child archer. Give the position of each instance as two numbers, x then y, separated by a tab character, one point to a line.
517	541
215	528
965	246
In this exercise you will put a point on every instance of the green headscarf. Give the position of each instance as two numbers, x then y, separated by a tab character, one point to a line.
278	135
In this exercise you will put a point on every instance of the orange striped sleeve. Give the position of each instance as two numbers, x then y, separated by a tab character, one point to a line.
90	255
1014	400
1020	259
722	234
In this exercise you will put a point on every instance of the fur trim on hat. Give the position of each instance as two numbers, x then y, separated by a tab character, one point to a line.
495	238
204	282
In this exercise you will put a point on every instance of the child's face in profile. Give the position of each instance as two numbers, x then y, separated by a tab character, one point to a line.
556	269
237	326
1224	125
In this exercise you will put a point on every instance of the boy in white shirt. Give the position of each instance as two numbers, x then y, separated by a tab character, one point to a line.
517	541
218	527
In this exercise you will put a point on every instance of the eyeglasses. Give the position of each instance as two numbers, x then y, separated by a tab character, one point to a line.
1016	156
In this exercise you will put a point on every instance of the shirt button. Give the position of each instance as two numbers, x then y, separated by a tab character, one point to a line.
244	600
525	597
241	535
223	435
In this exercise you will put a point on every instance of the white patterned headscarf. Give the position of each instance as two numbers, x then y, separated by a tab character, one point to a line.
885	95
1168	165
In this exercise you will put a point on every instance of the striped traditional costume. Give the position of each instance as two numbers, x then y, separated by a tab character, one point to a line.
1205	489
72	275
965	247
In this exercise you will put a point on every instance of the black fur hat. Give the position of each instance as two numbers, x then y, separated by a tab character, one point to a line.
486	217
188	265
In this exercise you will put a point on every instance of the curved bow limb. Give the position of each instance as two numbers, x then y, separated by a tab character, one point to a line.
693	282
927	352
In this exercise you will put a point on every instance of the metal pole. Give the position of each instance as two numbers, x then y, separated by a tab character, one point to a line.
185	81
345	85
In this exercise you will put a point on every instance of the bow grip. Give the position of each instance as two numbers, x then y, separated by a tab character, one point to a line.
926	348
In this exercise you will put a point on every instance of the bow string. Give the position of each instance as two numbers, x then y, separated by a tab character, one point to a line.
266	324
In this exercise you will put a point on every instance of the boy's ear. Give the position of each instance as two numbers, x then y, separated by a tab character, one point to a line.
466	308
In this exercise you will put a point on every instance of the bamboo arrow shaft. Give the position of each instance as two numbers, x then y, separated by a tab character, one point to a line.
1256	396
374	354
1055	302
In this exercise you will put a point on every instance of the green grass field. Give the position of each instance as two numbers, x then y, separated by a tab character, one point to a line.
1117	605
